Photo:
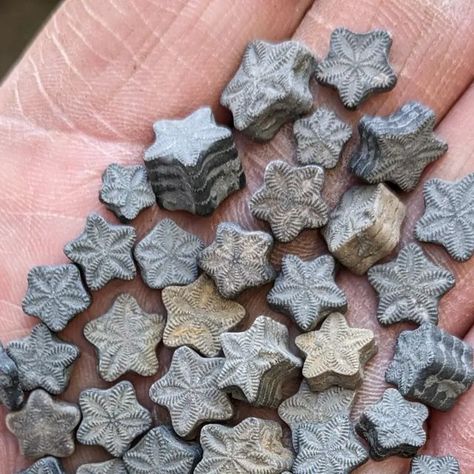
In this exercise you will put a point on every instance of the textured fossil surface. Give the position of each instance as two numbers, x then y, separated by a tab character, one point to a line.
112	418
306	290
336	353
290	199
55	295
398	147
257	362
410	287
189	390
193	164
270	87
424	464
103	251
448	219
125	338
48	465
253	446
364	227
44	426
168	255
357	65
320	138
198	315
126	190
161	451
432	366
114	466
238	259
43	360
393	426
11	393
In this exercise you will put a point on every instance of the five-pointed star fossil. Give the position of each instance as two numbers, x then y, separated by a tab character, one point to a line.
11	393
410	287
307	290
449	216
103	251
44	426
357	65
43	360
189	390
126	338
48	465
238	259
290	199
336	353
254	446
114	466
168	255
198	315
398	147
112	418
424	464
55	295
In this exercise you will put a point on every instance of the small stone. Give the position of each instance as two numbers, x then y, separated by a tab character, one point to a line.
410	287
160	451
193	164
168	255
253	446
270	88
257	362
320	138
47	465
434	465
114	466
393	426
364	227
357	65
431	366
290	199
189	390
125	338
238	259
11	393
43	360
307	291
336	353
55	295
398	147
112	418
198	315
448	219
44	426
103	251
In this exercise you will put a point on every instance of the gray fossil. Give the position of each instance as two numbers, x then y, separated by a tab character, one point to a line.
193	164
11	392
114	466
424	464
48	465
270	88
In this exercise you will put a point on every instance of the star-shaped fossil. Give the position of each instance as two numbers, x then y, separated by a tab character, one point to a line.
410	287
44	426
198	315
11	393
398	147
126	190
112	418
254	446
48	465
307	290
357	65
238	259
125	338
270	87
257	362
103	251
320	138
330	447
114	466
424	464
290	199
43	360
336	353
393	426
189	390
160	451
168	255
55	295
449	216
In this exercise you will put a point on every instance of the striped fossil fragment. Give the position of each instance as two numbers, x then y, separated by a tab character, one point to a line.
11	392
424	464
48	465
114	466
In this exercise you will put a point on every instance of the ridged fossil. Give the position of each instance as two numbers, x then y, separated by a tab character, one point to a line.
11	392
48	465
114	466
424	464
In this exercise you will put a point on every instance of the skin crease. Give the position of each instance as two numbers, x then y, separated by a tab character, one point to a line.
86	94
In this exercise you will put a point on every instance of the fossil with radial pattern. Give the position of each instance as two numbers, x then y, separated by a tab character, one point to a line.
114	466
48	465
424	464
11	392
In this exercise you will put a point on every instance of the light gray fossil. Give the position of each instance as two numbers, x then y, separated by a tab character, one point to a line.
11	392
48	465
114	466
424	464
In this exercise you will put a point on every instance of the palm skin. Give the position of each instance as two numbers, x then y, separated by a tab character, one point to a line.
86	94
